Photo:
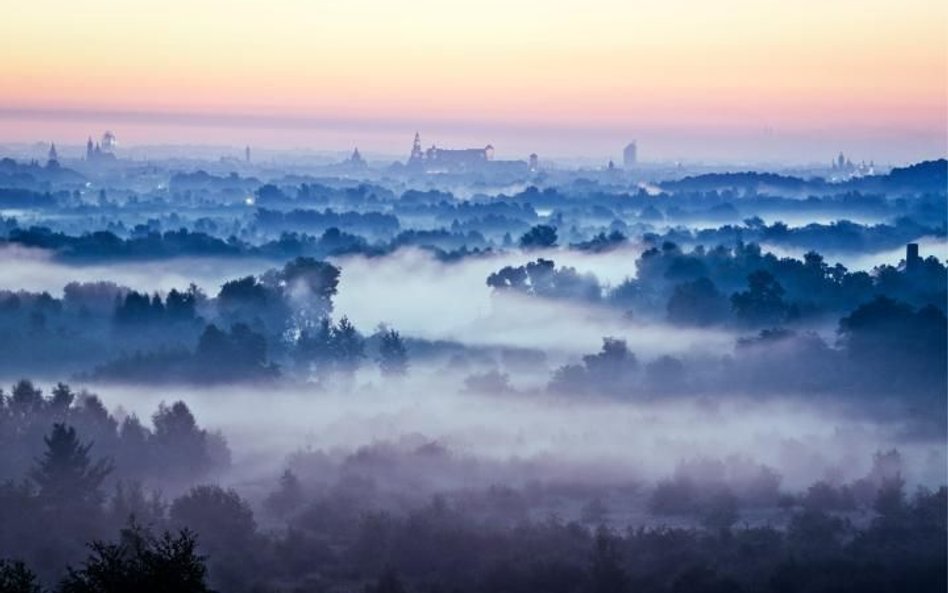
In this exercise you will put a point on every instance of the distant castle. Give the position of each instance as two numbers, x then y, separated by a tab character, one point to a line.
436	159
844	166
101	151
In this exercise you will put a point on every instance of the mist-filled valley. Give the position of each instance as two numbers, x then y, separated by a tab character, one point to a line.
455	375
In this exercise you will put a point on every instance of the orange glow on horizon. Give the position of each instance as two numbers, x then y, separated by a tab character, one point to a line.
680	63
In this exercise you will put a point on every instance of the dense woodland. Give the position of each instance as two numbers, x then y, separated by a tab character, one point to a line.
113	534
737	276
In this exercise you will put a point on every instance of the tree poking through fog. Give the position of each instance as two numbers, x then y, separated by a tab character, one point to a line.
66	474
393	354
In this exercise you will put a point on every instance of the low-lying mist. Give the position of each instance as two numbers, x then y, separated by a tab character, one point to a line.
37	270
523	437
423	297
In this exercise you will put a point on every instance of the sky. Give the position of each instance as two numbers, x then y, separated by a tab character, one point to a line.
690	79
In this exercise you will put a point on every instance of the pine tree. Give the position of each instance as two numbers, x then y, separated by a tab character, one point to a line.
66	475
394	355
141	563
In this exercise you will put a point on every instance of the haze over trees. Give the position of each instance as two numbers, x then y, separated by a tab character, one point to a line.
333	376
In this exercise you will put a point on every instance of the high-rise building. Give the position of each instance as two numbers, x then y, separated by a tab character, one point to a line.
630	156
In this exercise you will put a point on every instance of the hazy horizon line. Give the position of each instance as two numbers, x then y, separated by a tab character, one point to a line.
543	135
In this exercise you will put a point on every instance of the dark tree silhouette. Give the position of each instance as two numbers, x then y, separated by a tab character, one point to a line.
288	497
227	531
762	303
141	563
393	355
539	237
15	577
697	303
66	475
606	573
347	345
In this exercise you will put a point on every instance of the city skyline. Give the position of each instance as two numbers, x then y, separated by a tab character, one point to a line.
733	81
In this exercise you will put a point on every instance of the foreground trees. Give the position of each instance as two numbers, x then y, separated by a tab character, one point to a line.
141	563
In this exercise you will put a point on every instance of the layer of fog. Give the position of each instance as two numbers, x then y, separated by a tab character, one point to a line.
36	270
409	290
423	297
599	441
866	261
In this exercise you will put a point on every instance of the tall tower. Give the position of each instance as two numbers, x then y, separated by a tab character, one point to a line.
109	143
247	154
417	154
53	155
912	259
630	156
90	150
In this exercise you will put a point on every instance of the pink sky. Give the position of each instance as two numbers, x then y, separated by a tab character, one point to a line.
717	81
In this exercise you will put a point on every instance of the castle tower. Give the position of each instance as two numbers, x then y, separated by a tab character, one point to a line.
53	155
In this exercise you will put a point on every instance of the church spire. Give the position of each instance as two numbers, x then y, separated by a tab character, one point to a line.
417	154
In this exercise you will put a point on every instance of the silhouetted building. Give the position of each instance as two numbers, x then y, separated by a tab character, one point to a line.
437	159
630	155
53	158
417	154
912	259
101	151
843	167
534	163
355	161
109	143
247	155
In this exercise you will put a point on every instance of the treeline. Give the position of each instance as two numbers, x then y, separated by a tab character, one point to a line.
926	176
170	447
256	328
107	245
868	535
205	215
742	286
887	354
